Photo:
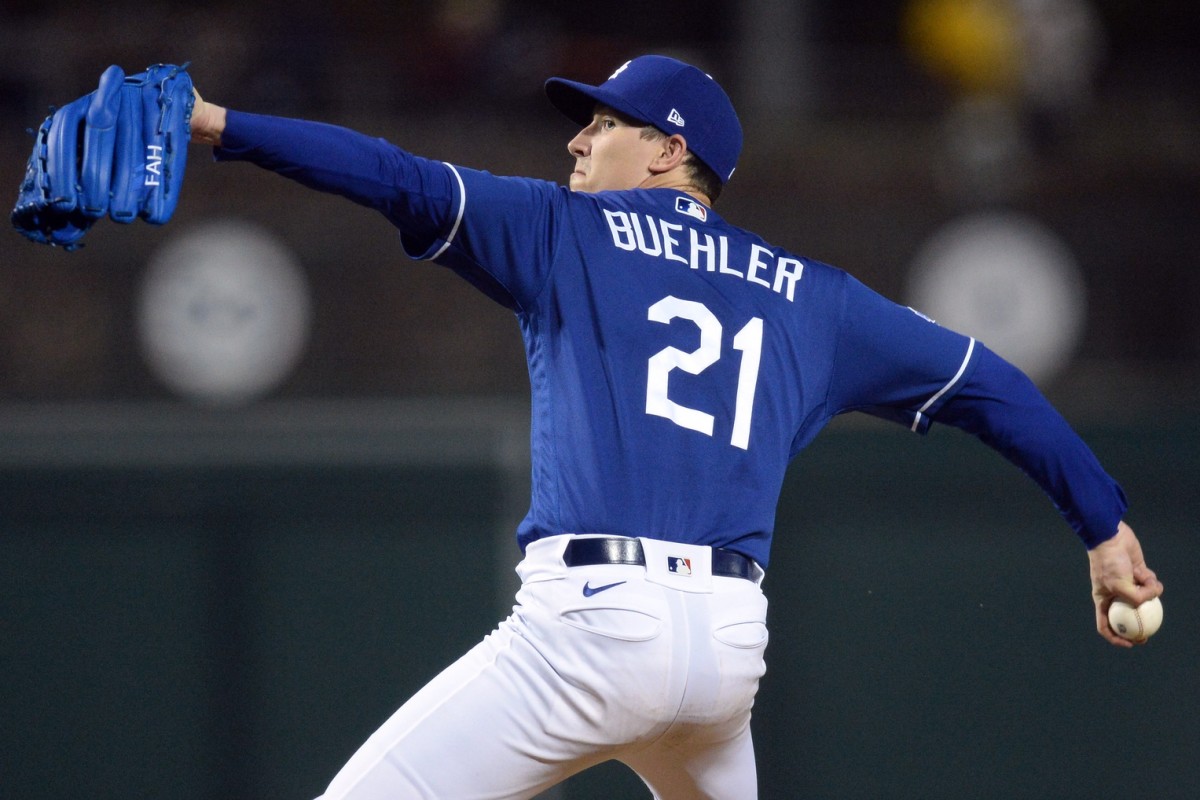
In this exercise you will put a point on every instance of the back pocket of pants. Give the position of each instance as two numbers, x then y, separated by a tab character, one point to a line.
623	624
743	635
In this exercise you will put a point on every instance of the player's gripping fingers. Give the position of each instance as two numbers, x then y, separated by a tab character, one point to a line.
1141	585
99	139
1148	581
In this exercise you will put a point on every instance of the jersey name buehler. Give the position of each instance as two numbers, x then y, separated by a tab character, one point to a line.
698	250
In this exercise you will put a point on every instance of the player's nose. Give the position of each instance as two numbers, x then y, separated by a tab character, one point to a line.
581	145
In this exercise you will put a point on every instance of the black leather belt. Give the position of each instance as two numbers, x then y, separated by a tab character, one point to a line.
590	552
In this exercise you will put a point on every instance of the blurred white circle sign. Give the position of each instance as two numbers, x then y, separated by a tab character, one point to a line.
1010	282
224	313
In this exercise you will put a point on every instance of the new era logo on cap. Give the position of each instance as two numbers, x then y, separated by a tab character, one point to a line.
674	118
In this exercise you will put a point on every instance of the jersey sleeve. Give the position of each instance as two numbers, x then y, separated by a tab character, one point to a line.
503	237
415	194
495	232
893	362
1001	406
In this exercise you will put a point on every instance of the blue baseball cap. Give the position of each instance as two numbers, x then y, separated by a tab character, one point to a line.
670	95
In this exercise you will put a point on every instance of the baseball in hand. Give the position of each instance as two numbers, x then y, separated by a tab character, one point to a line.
1135	624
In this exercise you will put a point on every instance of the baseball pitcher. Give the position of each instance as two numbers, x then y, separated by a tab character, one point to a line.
677	364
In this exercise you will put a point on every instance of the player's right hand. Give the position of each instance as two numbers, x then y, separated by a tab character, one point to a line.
1118	571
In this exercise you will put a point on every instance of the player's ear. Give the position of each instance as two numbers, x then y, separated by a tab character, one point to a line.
670	154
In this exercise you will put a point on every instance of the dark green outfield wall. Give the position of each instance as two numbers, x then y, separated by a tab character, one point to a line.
206	631
226	633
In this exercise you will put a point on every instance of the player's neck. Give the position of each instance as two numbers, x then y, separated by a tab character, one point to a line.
677	181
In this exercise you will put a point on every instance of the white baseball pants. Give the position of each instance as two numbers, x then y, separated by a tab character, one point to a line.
659	671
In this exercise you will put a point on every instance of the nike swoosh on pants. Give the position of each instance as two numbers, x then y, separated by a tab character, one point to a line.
588	591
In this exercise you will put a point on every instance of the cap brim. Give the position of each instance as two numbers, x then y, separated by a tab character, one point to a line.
578	101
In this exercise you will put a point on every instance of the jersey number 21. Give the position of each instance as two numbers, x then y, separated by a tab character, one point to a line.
748	340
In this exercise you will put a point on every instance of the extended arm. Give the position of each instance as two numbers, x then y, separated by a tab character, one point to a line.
417	195
496	232
1002	407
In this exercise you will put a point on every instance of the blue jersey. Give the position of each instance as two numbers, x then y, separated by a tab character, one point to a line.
677	362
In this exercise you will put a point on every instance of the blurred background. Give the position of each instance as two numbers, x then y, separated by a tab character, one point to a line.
223	441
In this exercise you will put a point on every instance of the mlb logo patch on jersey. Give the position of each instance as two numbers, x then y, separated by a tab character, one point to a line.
679	565
686	205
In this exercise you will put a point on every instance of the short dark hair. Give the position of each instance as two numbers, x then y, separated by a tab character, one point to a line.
702	175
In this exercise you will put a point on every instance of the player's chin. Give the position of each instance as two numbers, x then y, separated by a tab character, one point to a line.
578	182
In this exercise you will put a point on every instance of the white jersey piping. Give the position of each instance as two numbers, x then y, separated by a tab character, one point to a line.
961	369
462	207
